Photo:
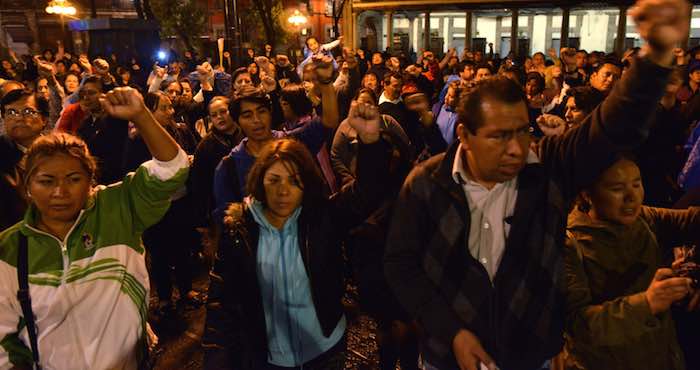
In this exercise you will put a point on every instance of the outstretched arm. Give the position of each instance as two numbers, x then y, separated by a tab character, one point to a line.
127	104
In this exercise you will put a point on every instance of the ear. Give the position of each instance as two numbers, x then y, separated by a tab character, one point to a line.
463	134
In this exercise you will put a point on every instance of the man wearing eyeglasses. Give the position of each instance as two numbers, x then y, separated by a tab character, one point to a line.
25	117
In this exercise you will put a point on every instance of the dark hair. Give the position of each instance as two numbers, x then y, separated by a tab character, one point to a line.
295	95
247	94
587	98
537	77
292	154
366	90
217	98
152	100
42	105
584	205
92	79
483	66
607	60
309	39
165	84
53	144
390	75
465	64
498	88
514	70
239	72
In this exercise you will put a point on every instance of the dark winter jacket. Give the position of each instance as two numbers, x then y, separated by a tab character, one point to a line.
519	317
235	336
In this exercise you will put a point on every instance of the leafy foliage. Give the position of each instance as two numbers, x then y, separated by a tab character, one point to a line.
264	22
184	19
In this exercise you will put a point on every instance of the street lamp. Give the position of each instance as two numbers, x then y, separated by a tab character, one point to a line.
60	7
297	19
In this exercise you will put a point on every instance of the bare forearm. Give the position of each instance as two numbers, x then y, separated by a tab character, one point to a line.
329	100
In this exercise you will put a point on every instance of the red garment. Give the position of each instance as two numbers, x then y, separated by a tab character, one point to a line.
71	118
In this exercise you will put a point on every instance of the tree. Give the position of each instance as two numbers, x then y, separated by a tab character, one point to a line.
338	6
184	19
269	13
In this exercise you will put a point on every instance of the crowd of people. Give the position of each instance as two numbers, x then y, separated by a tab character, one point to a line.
494	212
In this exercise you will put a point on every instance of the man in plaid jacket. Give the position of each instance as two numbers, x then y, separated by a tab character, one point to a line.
475	248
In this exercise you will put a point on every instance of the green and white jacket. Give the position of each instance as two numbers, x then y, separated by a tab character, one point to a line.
89	291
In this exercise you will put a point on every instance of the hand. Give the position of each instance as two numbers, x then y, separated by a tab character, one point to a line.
324	69
13	55
666	289
365	119
159	71
469	353
663	24
268	84
552	53
340	38
263	63
413	70
100	66
46	69
124	103
206	72
282	60
85	64
551	125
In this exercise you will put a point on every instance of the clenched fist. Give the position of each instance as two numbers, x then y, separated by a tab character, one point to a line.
663	24
124	103
366	120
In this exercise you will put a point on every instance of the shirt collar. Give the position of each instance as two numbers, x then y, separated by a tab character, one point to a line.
460	176
383	99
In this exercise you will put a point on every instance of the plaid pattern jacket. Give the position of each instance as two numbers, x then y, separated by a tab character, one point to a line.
519	317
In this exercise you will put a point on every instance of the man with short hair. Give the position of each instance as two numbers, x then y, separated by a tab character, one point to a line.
483	71
25	118
467	72
251	109
605	76
475	250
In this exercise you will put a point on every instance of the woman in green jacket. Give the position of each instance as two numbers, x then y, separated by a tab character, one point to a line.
84	264
618	291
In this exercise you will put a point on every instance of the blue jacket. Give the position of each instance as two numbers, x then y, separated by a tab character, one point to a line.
231	173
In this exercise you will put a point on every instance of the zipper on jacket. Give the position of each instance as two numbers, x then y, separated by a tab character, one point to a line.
307	251
62	244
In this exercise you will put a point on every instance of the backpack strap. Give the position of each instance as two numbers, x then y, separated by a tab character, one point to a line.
25	300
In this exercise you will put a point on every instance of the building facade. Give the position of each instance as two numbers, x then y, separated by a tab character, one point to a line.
525	27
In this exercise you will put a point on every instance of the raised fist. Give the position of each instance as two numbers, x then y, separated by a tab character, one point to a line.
100	66
324	69
662	23
551	125
365	120
46	69
123	103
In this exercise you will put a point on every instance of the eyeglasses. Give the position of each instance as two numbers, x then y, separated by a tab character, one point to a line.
26	112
